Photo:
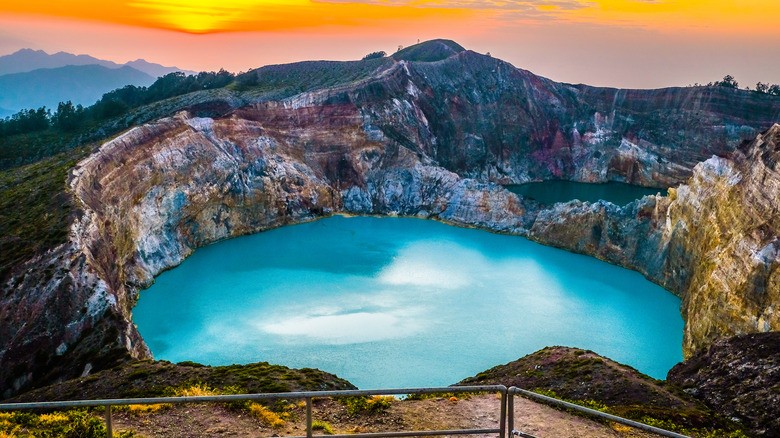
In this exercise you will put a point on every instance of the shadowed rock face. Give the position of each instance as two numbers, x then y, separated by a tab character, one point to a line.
426	139
739	377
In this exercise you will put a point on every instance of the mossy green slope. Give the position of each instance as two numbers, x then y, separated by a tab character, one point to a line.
35	208
149	378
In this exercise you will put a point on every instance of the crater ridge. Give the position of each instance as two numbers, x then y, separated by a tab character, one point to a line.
425	139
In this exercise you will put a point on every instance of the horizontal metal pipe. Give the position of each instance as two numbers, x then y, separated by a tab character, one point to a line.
412	433
615	418
263	396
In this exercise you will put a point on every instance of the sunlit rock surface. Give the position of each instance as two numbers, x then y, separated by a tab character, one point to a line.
425	139
714	241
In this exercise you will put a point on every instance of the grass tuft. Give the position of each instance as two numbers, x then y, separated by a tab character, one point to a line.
323	426
266	415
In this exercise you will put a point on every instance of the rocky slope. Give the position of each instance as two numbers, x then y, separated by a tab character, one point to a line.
739	377
618	389
578	374
427	139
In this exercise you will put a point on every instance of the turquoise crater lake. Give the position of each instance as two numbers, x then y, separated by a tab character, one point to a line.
401	302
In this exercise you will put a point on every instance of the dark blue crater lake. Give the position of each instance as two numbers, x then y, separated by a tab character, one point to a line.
401	302
550	192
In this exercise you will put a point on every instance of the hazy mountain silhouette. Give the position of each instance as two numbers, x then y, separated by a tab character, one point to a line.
26	60
155	70
81	84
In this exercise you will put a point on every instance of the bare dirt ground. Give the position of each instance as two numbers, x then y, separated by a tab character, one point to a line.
475	412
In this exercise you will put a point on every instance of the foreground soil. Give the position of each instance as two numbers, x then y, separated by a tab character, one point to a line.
478	411
569	373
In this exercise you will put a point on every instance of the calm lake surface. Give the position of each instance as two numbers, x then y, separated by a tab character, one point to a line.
550	192
401	302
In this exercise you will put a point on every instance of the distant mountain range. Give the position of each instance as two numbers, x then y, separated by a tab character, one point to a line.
81	84
26	60
33	78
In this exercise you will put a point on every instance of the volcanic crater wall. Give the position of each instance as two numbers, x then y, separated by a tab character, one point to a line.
431	140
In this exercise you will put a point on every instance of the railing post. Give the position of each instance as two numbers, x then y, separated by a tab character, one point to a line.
502	423
510	413
109	426
308	418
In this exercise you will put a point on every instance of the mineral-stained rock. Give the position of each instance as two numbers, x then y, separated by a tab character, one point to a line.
425	139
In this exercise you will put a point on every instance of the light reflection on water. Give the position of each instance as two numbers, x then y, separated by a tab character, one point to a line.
400	302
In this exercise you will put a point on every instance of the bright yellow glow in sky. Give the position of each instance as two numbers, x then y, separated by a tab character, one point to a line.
209	16
625	43
214	16
204	16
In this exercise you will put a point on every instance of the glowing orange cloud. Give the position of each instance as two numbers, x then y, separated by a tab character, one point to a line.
701	16
211	16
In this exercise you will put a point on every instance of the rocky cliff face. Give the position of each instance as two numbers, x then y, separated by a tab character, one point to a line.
714	241
426	139
739	377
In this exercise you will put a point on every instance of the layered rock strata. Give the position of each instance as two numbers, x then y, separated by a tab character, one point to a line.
715	241
421	139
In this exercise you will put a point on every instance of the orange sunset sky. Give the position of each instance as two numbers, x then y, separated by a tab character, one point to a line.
621	43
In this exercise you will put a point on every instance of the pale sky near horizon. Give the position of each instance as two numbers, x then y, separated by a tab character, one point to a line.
619	43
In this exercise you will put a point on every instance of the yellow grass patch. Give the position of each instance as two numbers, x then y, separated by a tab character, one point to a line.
147	409
53	419
266	415
196	391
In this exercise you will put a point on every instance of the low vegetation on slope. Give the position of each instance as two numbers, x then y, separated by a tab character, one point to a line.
429	51
281	81
149	378
584	377
35	208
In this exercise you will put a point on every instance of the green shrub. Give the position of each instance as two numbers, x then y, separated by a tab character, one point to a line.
357	405
78	423
375	55
236	405
322	425
83	425
189	363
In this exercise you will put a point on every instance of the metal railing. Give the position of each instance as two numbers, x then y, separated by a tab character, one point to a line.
505	427
532	395
307	396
